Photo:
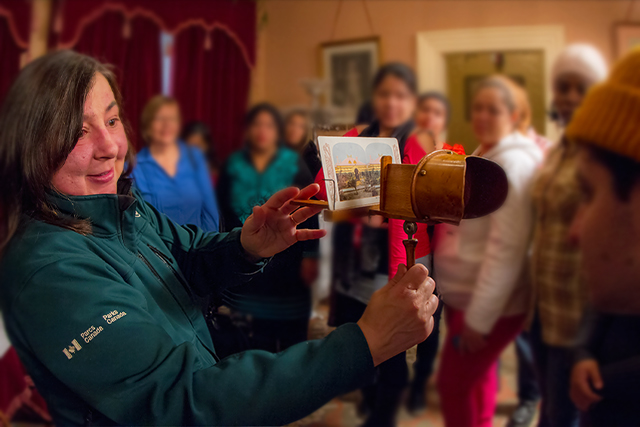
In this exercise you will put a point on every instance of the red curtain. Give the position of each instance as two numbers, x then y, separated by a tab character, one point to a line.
173	16
211	81
17	393
132	46
142	72
214	51
10	58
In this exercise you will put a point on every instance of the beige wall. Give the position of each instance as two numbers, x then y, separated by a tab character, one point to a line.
289	42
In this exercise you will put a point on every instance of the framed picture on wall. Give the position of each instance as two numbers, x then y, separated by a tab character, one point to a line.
626	37
348	66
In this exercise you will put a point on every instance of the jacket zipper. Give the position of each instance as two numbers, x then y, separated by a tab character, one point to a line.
88	418
161	280
169	264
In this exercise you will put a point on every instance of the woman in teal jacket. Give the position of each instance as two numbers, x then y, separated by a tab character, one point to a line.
97	288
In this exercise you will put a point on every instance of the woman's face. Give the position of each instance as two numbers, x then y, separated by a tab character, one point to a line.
491	119
568	93
393	102
263	132
165	126
295	131
97	160
431	115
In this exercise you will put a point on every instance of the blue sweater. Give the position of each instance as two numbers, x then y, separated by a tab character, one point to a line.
186	198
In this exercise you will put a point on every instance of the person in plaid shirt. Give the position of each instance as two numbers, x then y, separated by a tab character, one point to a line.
559	300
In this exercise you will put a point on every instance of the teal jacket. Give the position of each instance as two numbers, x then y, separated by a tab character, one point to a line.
107	326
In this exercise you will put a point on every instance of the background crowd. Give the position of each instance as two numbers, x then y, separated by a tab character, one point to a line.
511	277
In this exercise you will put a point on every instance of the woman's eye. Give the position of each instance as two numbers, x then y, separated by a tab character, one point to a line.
112	122
84	133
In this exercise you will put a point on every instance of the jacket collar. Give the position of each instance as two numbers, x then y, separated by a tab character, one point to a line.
109	214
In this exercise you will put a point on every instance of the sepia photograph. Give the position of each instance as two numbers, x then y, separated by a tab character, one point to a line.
352	166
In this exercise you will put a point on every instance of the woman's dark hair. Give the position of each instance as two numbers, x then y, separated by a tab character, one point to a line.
441	98
365	114
197	128
40	123
200	128
265	107
398	70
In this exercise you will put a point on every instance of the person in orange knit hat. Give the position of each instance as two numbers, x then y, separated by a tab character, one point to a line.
606	128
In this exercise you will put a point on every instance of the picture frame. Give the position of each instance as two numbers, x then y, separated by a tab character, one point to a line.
351	167
626	36
348	66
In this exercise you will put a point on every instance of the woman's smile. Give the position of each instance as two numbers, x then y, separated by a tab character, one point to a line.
102	178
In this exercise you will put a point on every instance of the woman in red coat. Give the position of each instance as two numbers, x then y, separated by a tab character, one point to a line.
360	248
431	118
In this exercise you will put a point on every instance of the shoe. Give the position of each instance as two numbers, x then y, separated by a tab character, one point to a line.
417	401
524	414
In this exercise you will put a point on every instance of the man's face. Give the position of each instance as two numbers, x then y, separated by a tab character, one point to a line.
607	231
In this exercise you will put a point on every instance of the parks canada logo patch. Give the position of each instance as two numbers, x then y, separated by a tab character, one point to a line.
92	332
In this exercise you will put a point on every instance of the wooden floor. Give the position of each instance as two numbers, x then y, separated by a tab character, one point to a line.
341	412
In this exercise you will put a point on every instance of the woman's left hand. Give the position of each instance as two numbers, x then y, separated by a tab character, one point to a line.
471	340
272	227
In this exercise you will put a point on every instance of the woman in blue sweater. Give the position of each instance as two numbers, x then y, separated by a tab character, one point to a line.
171	175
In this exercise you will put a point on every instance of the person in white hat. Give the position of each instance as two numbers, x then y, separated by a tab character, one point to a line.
559	292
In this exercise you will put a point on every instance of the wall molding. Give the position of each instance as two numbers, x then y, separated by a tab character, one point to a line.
432	46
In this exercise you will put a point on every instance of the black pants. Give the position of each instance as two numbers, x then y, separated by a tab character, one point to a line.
427	352
238	333
382	399
277	335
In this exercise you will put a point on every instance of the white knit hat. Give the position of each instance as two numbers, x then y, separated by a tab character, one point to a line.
582	59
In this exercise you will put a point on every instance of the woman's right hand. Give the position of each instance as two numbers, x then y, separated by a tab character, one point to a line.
585	377
399	315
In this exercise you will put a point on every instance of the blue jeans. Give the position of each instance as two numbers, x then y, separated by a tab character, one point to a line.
528	389
553	365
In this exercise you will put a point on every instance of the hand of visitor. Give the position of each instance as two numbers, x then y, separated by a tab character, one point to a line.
471	341
272	227
585	377
399	315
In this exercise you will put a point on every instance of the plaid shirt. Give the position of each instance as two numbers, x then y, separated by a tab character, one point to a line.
555	262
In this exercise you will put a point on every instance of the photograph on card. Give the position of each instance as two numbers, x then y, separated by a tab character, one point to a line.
352	168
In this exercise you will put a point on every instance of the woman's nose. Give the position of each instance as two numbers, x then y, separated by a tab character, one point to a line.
106	145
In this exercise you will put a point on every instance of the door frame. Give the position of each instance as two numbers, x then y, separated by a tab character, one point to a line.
432	46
